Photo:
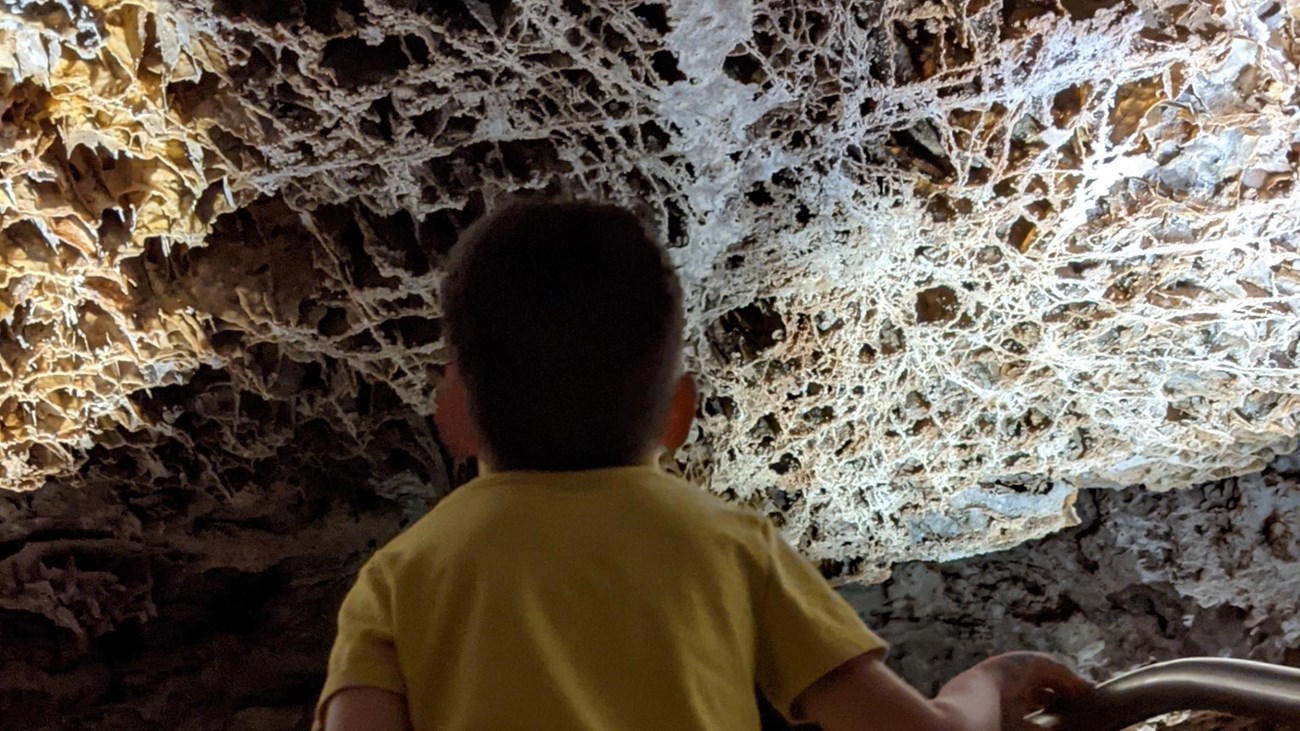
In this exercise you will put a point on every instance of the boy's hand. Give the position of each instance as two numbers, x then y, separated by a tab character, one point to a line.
1032	683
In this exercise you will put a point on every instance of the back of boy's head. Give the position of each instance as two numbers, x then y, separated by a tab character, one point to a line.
566	319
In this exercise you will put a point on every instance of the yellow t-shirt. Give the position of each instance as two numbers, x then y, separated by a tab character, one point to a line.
618	599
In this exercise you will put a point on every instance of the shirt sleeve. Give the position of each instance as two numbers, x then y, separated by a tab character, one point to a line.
805	628
364	653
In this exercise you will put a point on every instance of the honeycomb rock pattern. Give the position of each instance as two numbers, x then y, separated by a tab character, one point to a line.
1145	578
946	262
95	169
1207	571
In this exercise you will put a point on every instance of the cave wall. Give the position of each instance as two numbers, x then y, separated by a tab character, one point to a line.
1210	571
222	619
1144	578
950	266
946	262
121	609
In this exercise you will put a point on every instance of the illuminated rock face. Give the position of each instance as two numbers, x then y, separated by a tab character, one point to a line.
95	170
1146	577
946	263
1209	571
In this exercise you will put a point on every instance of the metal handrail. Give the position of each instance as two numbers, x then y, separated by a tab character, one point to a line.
1239	687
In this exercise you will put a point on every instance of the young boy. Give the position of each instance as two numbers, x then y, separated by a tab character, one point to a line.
575	586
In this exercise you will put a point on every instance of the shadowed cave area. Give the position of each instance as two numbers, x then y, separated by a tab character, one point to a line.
994	306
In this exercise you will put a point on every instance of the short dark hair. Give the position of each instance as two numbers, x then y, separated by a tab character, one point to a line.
566	319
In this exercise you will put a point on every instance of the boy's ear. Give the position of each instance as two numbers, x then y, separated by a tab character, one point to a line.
451	416
680	415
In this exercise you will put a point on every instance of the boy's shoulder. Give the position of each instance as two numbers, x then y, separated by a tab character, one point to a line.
643	491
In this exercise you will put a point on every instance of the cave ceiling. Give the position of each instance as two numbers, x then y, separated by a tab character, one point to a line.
945	262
